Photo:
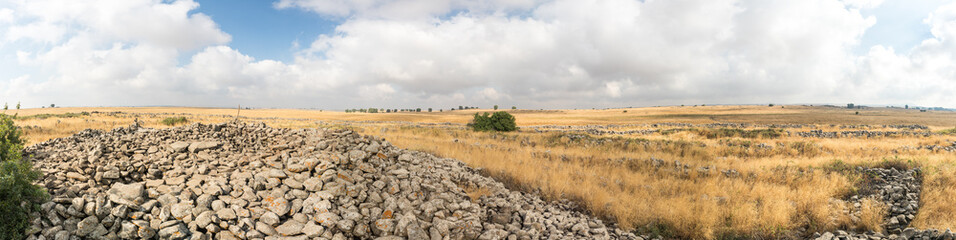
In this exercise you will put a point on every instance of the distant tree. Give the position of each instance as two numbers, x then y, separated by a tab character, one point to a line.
418	110
5	106
388	110
770	105
513	107
496	107
18	105
850	105
907	106
460	108
429	109
52	105
373	110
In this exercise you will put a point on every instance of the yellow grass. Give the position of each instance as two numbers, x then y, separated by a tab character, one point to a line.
777	190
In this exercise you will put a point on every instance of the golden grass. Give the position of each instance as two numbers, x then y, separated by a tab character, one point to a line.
779	189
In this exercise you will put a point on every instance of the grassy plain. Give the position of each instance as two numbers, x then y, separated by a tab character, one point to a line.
668	184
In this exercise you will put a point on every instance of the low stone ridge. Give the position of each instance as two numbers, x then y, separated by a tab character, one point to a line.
899	190
250	181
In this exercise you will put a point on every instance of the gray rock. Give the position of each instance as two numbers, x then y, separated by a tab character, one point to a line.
290	228
179	146
266	229
205	218
226	213
199	146
312	230
269	218
175	231
128	194
415	231
86	226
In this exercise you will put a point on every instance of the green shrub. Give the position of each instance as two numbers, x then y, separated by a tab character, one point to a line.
10	141
19	198
170	121
499	121
951	131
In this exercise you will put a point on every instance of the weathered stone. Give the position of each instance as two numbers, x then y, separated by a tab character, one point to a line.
226	213
86	226
290	228
76	176
175	231
199	146
269	218
179	146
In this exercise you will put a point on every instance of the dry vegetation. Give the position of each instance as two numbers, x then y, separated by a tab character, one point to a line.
669	184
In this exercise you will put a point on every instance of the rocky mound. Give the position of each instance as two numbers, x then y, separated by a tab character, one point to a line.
250	181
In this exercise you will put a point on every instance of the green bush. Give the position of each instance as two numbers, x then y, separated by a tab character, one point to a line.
18	196
10	141
170	121
499	121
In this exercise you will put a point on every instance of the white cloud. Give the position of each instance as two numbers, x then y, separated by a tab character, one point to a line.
925	75
533	54
152	22
6	15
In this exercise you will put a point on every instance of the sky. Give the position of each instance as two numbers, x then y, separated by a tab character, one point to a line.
340	54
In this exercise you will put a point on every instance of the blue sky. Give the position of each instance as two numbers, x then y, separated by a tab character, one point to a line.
261	31
333	54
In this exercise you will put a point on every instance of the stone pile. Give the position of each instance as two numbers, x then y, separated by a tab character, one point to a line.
899	190
250	181
861	134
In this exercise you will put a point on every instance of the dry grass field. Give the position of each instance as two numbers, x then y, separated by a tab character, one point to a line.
673	182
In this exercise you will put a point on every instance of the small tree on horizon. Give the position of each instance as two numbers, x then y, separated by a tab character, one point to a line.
429	109
496	107
514	108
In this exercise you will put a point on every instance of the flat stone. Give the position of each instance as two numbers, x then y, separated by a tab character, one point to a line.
199	146
179	146
175	180
77	176
129	194
290	228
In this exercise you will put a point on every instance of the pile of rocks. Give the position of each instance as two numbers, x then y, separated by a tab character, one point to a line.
899	190
250	181
862	134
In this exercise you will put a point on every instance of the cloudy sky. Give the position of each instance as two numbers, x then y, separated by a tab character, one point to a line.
337	54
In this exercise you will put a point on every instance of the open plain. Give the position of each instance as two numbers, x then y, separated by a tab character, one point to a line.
701	172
